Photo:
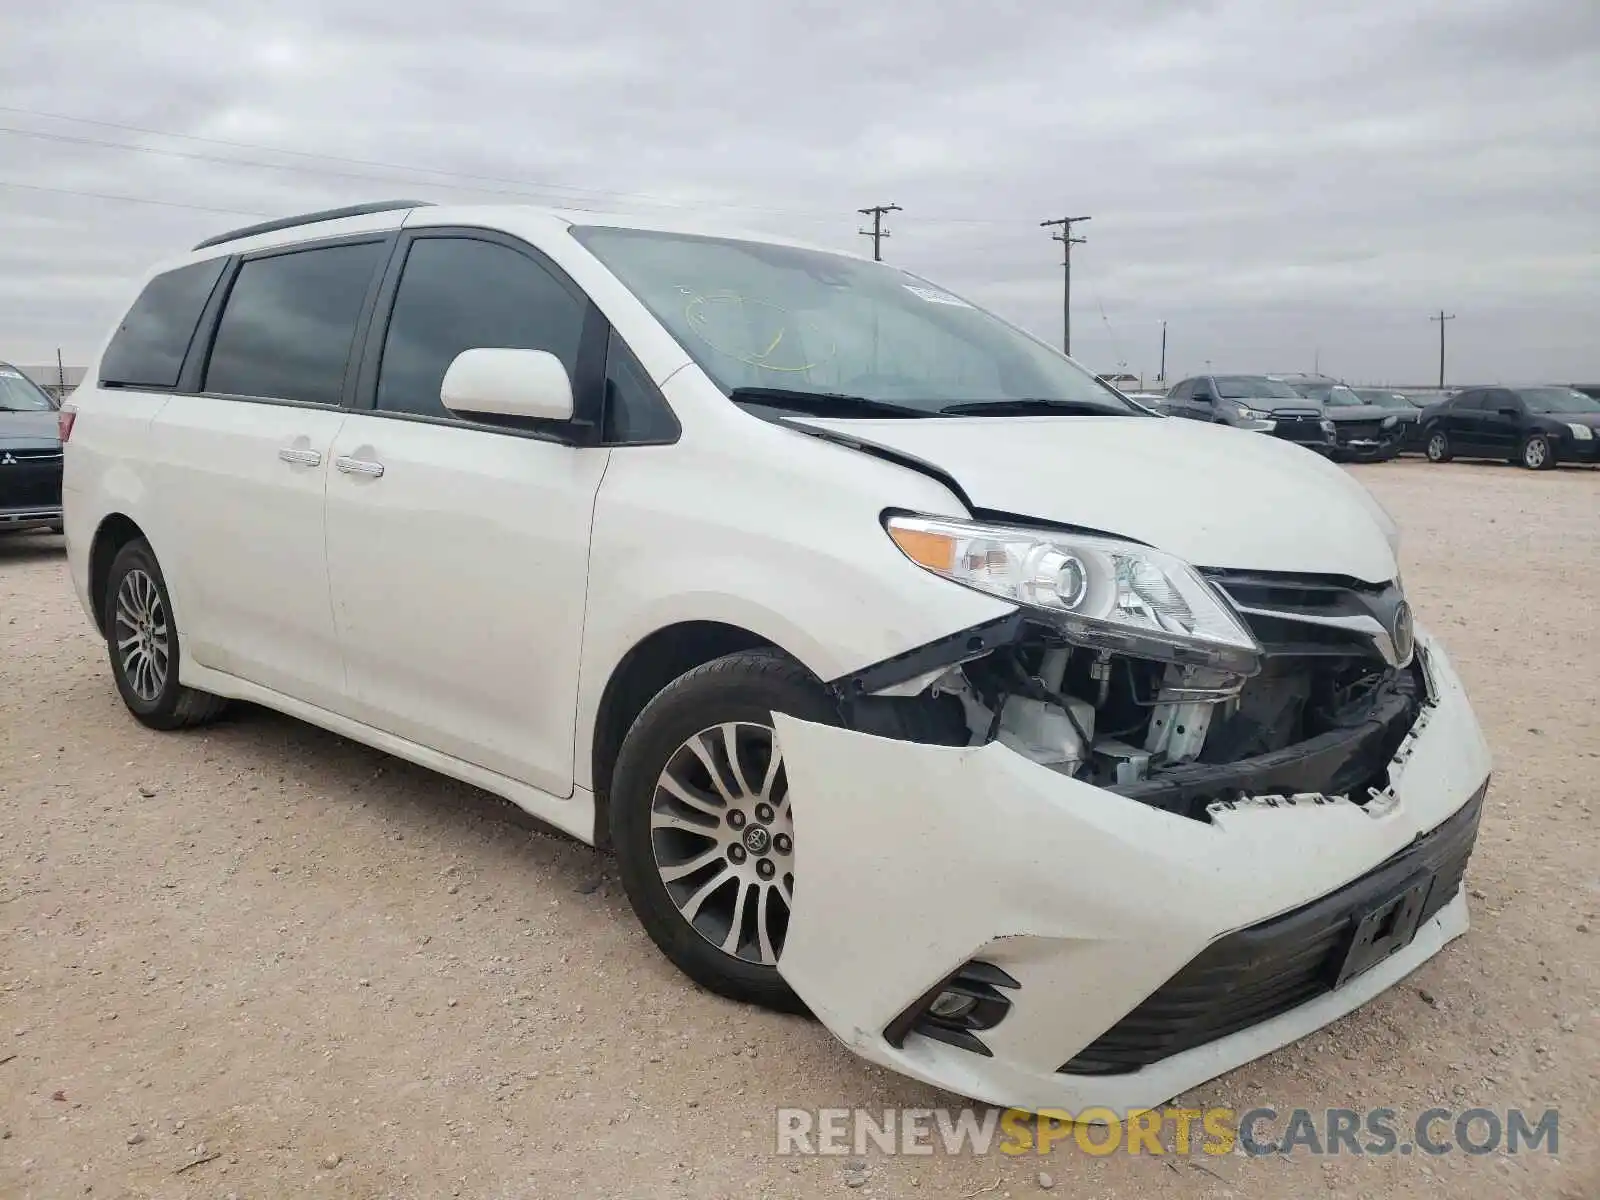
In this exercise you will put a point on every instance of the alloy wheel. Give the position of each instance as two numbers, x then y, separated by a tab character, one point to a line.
143	646
1535	454
1436	446
723	839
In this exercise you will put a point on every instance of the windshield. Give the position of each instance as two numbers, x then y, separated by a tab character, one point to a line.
774	320
1383	399
18	393
1333	395
1558	400
1253	387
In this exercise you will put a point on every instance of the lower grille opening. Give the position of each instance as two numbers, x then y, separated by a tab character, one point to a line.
1265	970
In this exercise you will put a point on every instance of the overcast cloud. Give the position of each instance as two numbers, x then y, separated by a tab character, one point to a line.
1284	183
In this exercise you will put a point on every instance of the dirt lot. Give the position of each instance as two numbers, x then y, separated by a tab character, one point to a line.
307	968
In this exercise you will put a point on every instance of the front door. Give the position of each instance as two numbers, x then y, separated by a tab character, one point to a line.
459	552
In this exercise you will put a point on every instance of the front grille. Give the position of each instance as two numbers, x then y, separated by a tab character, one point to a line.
30	478
1299	427
1313	614
1358	430
1266	970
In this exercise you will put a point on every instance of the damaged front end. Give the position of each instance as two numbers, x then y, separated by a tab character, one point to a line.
1052	863
1332	691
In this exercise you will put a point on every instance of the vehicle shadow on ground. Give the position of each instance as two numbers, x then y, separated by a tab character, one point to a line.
269	740
30	547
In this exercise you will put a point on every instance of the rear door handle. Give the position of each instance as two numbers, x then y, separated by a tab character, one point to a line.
300	458
358	466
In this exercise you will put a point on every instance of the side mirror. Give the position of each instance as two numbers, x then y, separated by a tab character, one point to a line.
529	384
1204	398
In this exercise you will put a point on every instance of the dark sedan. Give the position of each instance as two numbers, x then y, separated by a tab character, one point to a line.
1364	432
1538	427
1406	409
30	455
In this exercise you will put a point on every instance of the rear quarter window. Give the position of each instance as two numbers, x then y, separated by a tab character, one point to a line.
149	346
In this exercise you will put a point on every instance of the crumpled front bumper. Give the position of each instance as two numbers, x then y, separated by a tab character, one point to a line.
915	859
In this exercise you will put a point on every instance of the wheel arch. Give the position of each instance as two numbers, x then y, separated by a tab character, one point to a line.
114	532
639	675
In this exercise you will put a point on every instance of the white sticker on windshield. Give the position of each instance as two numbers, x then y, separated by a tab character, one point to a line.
935	297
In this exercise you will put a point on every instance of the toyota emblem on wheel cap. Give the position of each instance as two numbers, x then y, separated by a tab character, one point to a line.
1404	633
757	839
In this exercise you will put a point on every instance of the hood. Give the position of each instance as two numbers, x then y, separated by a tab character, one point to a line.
1359	412
32	429
1217	497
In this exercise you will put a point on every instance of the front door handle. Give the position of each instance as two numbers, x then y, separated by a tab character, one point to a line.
358	466
300	458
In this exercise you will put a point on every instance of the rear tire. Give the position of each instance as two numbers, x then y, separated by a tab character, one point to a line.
1536	453
707	859
1438	447
142	642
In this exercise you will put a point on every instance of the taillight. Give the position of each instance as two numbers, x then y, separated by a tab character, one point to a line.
64	420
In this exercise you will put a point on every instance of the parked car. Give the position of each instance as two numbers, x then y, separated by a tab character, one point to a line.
1254	402
1364	432
1046	750
1538	427
30	455
1406	410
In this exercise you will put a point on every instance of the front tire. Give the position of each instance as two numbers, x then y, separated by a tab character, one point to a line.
1438	449
701	824
1537	454
142	641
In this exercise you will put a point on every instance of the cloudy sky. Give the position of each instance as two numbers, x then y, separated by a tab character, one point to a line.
1286	183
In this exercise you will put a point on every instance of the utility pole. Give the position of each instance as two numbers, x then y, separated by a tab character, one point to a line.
1442	318
61	375
1163	376
1067	243
877	233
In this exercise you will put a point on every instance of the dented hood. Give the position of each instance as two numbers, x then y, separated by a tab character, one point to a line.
1216	496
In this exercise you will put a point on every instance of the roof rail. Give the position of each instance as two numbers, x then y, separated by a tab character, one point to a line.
327	214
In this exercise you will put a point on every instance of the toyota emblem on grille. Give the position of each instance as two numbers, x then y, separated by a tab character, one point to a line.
1404	633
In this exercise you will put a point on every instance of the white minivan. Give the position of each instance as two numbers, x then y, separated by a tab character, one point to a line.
1046	749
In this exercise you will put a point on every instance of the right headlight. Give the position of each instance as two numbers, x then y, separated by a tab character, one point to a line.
1253	414
1098	592
1582	432
1328	426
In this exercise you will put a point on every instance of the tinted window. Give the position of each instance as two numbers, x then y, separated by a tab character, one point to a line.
148	348
1468	402
1180	391
290	319
635	410
460	294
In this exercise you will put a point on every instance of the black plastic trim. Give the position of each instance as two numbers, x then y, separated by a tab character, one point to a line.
987	975
311	218
1331	763
942	652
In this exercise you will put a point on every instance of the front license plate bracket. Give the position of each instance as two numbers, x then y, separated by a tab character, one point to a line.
1385	929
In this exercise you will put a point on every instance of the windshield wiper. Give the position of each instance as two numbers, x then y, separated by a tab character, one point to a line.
1025	408
824	404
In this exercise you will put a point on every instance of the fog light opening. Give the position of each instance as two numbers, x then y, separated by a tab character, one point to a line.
957	1008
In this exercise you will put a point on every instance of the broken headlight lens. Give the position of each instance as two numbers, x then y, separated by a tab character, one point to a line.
1098	592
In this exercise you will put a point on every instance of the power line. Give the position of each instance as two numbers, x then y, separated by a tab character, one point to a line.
877	233
442	174
1067	242
37	187
1442	318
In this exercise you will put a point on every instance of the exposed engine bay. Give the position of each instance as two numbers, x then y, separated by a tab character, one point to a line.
1324	713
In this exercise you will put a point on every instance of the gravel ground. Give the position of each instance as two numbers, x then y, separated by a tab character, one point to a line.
261	960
